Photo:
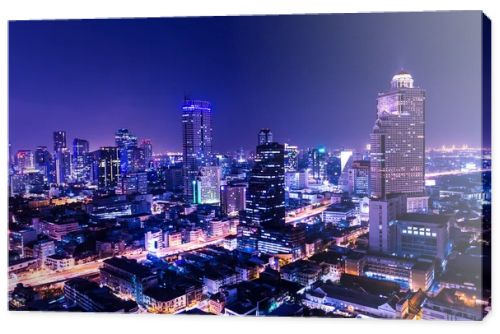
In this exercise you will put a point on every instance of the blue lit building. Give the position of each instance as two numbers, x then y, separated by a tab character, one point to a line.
196	141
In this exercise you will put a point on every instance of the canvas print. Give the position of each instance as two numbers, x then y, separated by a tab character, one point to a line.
330	165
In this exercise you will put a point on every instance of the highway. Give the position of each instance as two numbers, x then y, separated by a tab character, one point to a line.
307	213
45	276
456	172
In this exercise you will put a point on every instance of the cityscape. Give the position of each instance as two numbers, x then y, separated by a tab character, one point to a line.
396	229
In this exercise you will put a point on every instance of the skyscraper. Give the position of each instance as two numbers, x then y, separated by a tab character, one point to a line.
397	157
127	145
62	157
232	198
81	170
59	140
63	165
207	185
266	187
147	147
44	163
291	158
108	167
196	141
318	163
265	136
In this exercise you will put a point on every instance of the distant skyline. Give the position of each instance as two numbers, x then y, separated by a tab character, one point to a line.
312	79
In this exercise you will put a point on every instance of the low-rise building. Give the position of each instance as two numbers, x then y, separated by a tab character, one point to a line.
90	297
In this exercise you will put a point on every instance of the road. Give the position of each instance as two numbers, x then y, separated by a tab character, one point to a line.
307	213
456	172
45	276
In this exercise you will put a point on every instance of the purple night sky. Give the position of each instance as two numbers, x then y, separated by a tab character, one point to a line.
312	79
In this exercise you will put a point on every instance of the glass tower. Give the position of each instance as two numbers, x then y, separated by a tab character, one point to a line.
196	141
397	157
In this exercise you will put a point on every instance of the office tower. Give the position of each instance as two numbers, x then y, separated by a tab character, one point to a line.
135	160
124	138
333	169
266	187
291	158
107	167
383	213
318	163
206	189
196	141
286	239
296	180
359	178
265	136
63	165
232	198
172	178
59	140
397	156
81	169
43	162
24	161
132	183
126	142
147	147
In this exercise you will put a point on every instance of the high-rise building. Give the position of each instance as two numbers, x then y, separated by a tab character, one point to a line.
397	156
24	161
44	163
359	178
63	165
266	187
206	188
107	167
81	169
147	147
196	141
232	198
383	213
318	163
59	140
133	183
334	169
291	158
265	205
265	136
127	147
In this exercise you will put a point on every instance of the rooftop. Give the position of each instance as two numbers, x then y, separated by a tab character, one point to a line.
425	218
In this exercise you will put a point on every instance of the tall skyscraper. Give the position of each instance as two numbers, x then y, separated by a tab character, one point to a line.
397	157
265	204
266	187
382	213
24	161
45	163
318	163
196	141
108	167
63	165
291	158
147	147
81	169
62	157
265	136
207	185
127	150
59	140
232	198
